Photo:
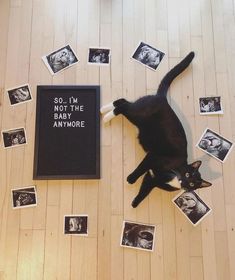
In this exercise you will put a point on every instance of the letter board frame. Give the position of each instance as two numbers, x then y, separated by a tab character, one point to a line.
67	133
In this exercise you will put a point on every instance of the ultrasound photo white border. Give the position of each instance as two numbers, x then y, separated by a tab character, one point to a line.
12	130
21	189
138	46
19	87
45	60
76	215
135	247
201	201
219	136
98	63
219	112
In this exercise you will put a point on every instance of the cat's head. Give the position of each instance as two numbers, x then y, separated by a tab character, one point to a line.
191	177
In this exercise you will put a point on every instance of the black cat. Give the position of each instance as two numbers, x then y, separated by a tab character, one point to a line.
162	136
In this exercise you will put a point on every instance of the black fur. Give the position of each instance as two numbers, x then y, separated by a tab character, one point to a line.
162	136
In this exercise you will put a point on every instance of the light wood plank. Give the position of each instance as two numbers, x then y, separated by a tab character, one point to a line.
81	265
129	133
51	242
37	254
231	237
182	247
184	27
195	18
85	248
4	170
196	242
64	242
4	22
143	265
222	256
39	218
11	243
157	256
24	256
173	28
117	189
196	268
218	36
117	252
116	45
104	220
208	241
169	242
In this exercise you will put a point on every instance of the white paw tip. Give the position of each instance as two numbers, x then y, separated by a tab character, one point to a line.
107	117
106	108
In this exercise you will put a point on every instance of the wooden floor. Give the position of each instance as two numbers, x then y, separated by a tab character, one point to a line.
32	243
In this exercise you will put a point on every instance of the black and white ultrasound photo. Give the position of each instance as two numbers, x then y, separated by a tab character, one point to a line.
76	225
215	145
138	236
24	197
99	56
19	94
60	59
14	137
148	55
210	105
192	206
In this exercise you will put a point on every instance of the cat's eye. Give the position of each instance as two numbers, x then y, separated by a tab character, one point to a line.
191	184
187	175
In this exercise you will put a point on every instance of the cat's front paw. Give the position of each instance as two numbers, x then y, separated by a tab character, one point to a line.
134	203
131	179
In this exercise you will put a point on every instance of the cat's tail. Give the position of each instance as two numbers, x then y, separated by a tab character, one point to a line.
173	73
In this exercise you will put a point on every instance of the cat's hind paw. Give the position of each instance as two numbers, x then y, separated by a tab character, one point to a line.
107	108
108	116
119	102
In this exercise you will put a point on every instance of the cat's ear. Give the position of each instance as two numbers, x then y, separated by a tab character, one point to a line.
196	164
205	184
